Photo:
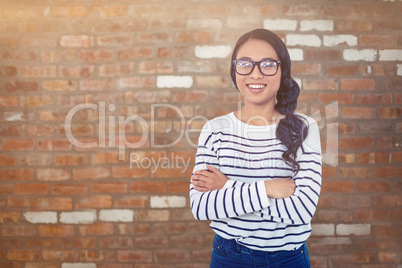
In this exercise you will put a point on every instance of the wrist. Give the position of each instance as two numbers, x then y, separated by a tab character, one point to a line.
267	187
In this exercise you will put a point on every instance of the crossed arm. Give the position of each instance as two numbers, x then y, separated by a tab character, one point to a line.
213	179
286	200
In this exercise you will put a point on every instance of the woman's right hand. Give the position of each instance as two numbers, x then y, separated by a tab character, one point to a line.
280	188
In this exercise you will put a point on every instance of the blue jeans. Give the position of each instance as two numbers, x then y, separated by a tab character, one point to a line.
230	254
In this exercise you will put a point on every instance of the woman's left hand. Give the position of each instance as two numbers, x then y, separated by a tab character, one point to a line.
209	180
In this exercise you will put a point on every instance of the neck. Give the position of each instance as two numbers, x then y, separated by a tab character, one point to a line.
259	116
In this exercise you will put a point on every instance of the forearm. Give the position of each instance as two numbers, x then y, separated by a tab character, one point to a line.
235	199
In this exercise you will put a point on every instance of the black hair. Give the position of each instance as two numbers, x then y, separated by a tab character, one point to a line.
292	129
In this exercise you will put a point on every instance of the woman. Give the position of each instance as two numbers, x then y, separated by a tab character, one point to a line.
257	174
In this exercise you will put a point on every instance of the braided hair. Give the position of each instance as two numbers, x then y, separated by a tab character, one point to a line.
292	129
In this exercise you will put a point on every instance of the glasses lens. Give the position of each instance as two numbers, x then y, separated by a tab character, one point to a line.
268	67
243	66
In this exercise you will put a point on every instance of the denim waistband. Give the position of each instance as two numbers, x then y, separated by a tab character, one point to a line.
231	243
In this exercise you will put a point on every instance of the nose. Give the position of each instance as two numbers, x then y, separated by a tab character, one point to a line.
255	73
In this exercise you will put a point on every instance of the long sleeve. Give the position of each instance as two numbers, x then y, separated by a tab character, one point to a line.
234	199
238	198
300	207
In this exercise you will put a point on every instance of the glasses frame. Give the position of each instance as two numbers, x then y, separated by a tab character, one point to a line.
258	63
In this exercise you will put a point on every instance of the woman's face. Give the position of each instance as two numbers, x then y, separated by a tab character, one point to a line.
256	88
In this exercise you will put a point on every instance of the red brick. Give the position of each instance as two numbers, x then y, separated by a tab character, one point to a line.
172	255
388	257
134	256
306	69
6	188
337	187
323	55
60	255
97	229
59	85
95	201
383	98
135	53
148	187
355	172
357	84
80	41
358	113
353	25
23	86
77	71
387	172
8	101
373	10
105	158
87	242
342	98
110	10
179	186
127	172
54	145
53	174
131	202
71	160
320	84
6	160
116	242
300	10
9	216
397	156
97	256
65	189
68	11
373	186
341	70
18	230
32	188
109	187
389	200
376	40
18	144
385	231
56	230
16	174
91	173
112	40
175	172
174	52
368	158
40	203
39	71
356	143
23	255
95	55
39	130
390	112
372	215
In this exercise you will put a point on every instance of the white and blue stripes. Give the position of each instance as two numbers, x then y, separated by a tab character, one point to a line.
248	155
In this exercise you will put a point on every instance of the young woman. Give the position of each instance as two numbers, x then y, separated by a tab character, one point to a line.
257	174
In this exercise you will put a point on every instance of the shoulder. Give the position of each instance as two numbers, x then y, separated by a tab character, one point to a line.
219	123
307	119
213	126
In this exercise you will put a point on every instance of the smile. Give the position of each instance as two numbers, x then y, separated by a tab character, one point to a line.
256	87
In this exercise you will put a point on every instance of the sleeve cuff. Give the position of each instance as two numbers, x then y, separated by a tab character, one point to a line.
228	184
263	194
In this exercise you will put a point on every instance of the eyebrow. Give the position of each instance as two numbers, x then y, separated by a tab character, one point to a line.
247	58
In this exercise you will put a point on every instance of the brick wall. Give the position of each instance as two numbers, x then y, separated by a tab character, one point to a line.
100	106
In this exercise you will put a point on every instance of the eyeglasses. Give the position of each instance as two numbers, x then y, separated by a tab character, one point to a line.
266	67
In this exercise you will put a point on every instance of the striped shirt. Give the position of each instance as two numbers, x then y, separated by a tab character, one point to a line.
248	155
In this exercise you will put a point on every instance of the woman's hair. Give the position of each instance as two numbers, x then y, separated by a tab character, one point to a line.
292	129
